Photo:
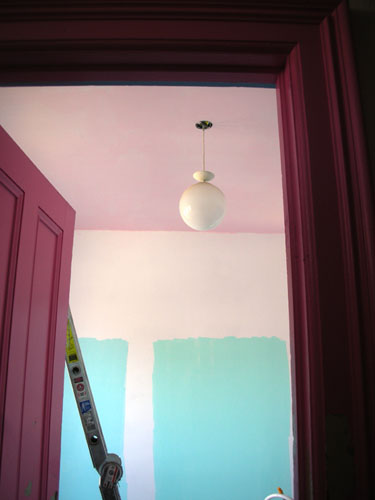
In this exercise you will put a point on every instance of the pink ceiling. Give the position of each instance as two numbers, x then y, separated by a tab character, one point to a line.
123	155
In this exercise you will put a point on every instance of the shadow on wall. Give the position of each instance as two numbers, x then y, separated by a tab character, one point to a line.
362	20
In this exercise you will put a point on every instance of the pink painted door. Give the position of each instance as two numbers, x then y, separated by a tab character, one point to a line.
36	235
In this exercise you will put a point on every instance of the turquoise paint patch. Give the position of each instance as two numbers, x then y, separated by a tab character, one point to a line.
105	362
222	418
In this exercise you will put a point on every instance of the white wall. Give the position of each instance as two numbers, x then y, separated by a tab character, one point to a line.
147	286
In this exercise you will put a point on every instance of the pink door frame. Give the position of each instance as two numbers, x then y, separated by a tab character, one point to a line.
306	51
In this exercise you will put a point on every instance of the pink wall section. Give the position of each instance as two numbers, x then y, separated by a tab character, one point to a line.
122	156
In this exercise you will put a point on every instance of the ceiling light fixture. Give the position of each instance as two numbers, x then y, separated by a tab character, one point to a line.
202	205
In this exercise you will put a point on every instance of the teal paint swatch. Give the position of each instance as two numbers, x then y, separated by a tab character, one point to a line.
105	362
222	418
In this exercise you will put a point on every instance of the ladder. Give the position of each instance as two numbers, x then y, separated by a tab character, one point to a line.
107	464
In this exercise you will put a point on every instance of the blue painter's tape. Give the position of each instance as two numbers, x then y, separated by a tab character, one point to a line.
85	406
141	84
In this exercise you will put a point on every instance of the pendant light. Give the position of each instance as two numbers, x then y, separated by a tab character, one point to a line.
202	205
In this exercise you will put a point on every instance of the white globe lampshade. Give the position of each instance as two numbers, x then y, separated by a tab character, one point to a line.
202	206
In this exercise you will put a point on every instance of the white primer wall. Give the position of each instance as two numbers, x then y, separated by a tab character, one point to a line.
147	286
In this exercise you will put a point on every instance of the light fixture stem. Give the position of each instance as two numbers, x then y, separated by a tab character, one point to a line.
204	151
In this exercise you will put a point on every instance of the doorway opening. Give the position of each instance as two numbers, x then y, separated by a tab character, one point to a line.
228	301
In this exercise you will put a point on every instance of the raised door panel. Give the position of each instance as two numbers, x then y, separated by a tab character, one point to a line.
11	202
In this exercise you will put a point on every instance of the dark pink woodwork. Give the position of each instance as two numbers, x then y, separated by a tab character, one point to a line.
36	246
305	49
